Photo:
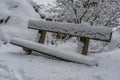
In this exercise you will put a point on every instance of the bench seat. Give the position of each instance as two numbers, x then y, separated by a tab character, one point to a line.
65	55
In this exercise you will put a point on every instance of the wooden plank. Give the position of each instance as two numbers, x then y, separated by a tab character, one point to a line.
85	41
68	56
79	30
26	49
29	51
42	36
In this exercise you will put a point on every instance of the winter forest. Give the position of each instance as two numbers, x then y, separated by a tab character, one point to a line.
59	39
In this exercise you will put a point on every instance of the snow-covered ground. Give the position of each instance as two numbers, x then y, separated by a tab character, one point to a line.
16	65
20	12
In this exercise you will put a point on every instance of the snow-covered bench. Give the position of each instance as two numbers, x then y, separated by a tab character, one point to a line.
84	31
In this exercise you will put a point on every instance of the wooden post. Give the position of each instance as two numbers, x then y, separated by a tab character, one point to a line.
29	51
85	41
42	36
1	21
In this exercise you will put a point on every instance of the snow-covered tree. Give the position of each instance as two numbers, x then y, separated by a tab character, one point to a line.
38	8
96	12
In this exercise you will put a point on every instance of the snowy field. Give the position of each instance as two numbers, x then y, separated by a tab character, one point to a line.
16	65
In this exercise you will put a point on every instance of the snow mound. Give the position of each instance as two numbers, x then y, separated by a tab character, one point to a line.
17	13
3	37
4	12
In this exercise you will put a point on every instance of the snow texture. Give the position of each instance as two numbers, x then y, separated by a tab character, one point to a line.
19	13
7	73
4	12
66	55
3	37
84	30
15	65
31	67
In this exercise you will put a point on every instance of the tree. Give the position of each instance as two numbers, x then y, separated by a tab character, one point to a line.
95	12
38	8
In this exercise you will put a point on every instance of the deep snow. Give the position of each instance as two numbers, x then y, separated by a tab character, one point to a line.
20	11
16	65
42	68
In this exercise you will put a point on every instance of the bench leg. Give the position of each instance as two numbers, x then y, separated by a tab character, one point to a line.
29	51
42	37
85	46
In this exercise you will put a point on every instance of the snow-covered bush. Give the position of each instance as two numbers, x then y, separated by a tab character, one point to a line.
96	12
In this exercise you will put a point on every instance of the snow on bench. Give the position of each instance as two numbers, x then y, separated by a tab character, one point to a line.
84	31
79	30
69	56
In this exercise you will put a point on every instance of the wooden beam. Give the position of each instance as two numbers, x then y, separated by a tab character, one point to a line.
85	41
69	56
79	30
42	36
29	51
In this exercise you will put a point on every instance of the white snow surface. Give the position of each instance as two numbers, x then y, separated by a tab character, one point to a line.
4	12
31	67
84	30
20	12
45	2
15	65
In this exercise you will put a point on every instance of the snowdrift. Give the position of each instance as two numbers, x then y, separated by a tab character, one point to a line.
19	13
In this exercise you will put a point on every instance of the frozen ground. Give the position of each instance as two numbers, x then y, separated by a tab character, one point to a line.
15	64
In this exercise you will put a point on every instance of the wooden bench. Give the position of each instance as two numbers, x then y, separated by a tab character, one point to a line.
82	31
